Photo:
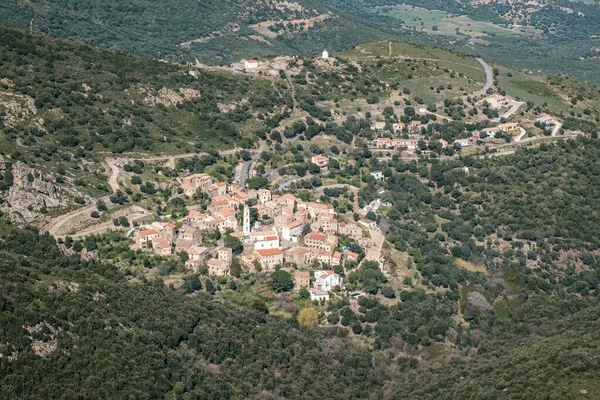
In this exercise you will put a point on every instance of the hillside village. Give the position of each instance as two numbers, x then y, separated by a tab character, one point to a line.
400	135
320	160
285	233
230	228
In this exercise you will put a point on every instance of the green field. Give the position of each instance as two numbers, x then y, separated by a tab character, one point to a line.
440	22
465	64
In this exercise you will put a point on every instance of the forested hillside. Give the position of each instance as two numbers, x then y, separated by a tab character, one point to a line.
544	37
80	329
214	32
549	37
79	95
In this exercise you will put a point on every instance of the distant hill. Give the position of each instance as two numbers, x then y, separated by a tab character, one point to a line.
214	32
550	37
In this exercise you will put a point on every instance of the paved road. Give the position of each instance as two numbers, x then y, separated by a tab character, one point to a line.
442	117
56	225
521	135
489	81
513	109
489	78
511	147
557	129
115	170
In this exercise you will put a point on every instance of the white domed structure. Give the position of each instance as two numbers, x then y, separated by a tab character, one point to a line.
325	55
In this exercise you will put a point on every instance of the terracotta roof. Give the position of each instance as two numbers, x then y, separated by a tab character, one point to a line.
197	250
316	236
147	232
213	262
299	250
263	233
161	242
326	274
269	252
294	224
183	243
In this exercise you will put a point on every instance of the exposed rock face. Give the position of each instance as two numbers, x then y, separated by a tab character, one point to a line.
168	97
17	107
32	191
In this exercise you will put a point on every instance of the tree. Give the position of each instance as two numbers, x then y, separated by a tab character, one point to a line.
388	292
192	284
210	287
281	281
333	318
257	183
356	327
77	247
177	203
233	243
308	317
303	293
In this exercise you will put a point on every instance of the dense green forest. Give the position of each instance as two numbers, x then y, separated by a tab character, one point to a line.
99	335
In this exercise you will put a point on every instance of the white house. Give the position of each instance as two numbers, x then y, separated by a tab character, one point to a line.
261	235
398	126
251	64
462	142
318	295
269	242
378	175
319	160
326	280
292	231
325	55
547	120
491	132
378	126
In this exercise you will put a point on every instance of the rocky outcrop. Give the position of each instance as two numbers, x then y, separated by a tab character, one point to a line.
32	193
17	107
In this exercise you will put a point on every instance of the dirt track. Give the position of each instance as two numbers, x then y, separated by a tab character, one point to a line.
63	224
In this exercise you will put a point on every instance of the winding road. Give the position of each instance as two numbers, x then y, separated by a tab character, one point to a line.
59	226
489	79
